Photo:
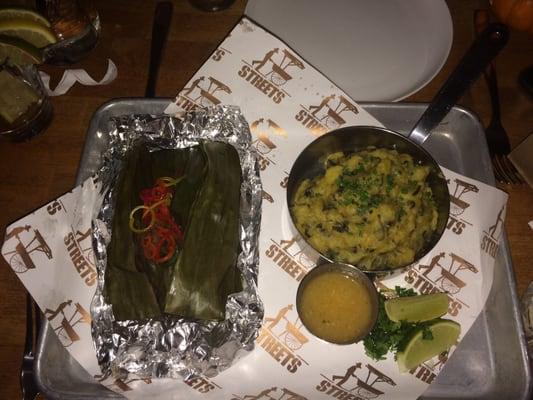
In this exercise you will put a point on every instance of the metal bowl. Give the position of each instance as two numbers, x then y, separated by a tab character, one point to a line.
356	138
350	271
351	139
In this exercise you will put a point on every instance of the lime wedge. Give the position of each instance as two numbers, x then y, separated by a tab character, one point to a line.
30	31
417	308
18	51
445	334
23	13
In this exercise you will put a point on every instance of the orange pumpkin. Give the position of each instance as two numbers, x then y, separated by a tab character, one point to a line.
518	14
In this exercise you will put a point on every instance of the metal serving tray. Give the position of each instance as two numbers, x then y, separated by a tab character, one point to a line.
491	362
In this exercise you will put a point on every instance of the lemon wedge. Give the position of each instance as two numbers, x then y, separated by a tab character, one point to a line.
32	32
23	13
19	51
445	334
417	308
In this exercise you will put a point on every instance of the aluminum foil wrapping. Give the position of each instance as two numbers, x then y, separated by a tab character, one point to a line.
169	346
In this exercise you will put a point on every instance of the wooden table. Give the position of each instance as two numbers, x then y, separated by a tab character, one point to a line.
35	172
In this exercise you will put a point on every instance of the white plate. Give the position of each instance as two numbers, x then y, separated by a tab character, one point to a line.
375	50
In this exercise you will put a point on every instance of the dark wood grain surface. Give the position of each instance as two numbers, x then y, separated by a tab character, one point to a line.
35	172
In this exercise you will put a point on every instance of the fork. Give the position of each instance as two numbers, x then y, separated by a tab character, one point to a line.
497	139
27	378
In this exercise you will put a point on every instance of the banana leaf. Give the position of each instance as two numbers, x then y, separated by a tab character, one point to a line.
188	188
196	281
205	272
126	286
188	163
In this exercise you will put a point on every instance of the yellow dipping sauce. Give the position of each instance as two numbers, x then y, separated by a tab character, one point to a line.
336	307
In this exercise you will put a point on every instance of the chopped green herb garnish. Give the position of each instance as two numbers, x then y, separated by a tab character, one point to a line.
356	191
403	292
341	227
390	182
401	212
389	336
331	254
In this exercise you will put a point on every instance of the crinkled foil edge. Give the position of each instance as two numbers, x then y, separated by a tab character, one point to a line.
169	346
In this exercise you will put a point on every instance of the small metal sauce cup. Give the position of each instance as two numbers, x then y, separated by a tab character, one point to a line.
350	271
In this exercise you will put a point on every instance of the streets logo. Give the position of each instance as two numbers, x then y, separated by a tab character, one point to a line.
289	258
201	384
55	206
81	254
443	274
281	337
271	72
26	245
267	196
219	54
264	146
123	385
342	386
327	115
263	130
64	320
491	239
273	393
458	205
427	372
268	128
202	92
285	180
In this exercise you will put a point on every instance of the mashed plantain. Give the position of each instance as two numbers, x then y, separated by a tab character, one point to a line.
373	209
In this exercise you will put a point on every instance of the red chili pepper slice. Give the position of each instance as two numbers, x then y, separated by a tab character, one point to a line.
149	249
159	242
167	248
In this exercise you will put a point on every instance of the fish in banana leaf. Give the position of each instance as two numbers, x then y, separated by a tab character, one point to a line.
197	280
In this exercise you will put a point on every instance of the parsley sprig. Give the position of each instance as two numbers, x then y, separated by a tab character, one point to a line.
392	336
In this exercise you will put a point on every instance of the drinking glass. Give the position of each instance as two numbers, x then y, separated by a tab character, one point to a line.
25	109
76	23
